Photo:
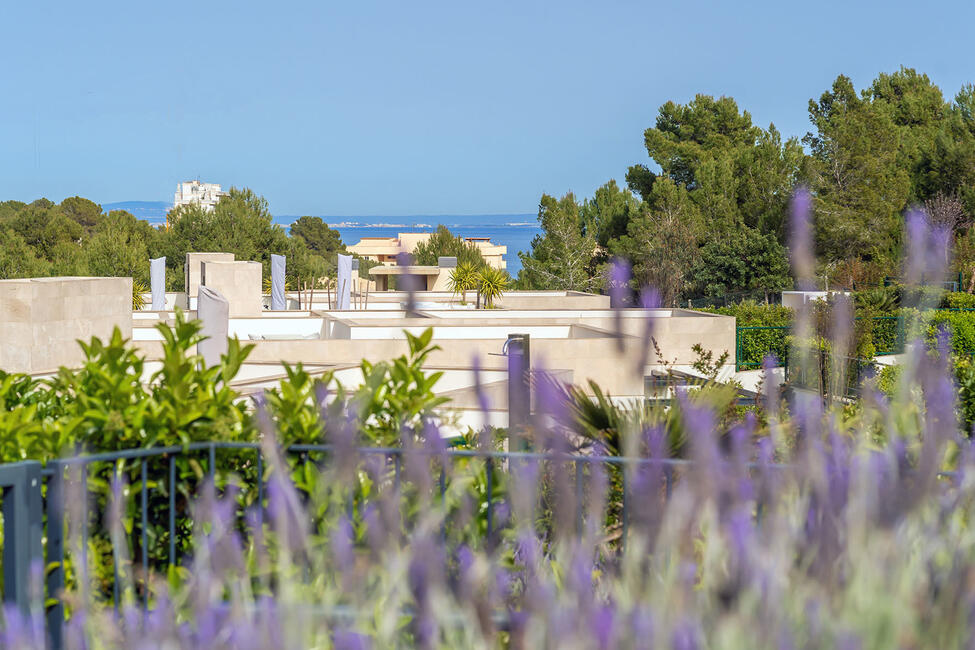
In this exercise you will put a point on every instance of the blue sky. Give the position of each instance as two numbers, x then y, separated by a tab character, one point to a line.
401	108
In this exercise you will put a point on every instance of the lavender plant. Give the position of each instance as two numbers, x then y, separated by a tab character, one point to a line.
812	526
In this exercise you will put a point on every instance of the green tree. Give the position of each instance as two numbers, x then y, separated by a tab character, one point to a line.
743	260
240	223
562	256
304	266
318	236
443	243
661	242
85	213
119	247
859	187
10	209
736	172
607	214
43	226
918	110
685	136
69	258
463	279
948	165
17	258
491	285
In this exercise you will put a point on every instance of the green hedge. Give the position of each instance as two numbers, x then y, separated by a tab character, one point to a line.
752	313
958	300
885	333
754	345
961	325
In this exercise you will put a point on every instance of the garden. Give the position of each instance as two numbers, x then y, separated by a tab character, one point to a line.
170	510
332	516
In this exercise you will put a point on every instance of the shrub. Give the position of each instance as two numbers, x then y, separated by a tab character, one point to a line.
755	345
961	327
750	313
965	378
878	299
958	300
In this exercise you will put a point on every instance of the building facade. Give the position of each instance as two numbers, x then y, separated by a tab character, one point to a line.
203	194
385	249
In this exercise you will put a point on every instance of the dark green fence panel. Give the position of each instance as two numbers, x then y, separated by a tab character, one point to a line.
754	343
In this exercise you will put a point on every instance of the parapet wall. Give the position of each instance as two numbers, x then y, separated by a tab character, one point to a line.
41	319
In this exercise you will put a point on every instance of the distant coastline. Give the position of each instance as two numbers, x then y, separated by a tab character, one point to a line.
515	231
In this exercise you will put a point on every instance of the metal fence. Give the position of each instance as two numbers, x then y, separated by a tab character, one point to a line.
753	343
34	512
828	375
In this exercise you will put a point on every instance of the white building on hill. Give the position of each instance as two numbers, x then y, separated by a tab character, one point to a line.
204	194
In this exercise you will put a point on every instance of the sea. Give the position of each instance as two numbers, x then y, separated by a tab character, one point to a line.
515	231
516	235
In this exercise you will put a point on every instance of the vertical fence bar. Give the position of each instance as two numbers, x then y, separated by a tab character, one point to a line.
489	467
55	555
115	550
22	535
260	489
83	573
518	349
579	497
396	464
172	510
668	481
738	349
443	500
145	543
625	514
213	465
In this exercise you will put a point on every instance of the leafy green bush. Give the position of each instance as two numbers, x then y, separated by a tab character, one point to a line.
887	379
965	376
958	300
959	324
751	313
886	334
395	396
878	299
755	344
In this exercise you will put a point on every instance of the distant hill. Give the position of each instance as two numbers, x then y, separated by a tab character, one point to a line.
148	210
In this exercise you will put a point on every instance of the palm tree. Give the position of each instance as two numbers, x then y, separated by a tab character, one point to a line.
491	284
463	278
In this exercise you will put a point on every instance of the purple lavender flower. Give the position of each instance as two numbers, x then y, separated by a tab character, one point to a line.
801	239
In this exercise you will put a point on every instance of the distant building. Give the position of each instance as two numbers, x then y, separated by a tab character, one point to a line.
385	249
203	194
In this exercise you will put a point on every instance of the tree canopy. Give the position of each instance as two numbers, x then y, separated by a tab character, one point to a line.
708	213
443	243
561	257
76	237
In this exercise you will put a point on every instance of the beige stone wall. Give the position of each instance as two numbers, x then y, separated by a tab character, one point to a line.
239	283
194	271
441	281
539	300
41	319
614	369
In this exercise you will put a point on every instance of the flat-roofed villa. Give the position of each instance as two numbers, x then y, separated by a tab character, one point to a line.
575	336
386	249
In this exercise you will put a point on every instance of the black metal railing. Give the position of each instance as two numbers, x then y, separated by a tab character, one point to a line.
35	513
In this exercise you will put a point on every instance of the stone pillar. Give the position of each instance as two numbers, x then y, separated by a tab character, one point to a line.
194	270
239	283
